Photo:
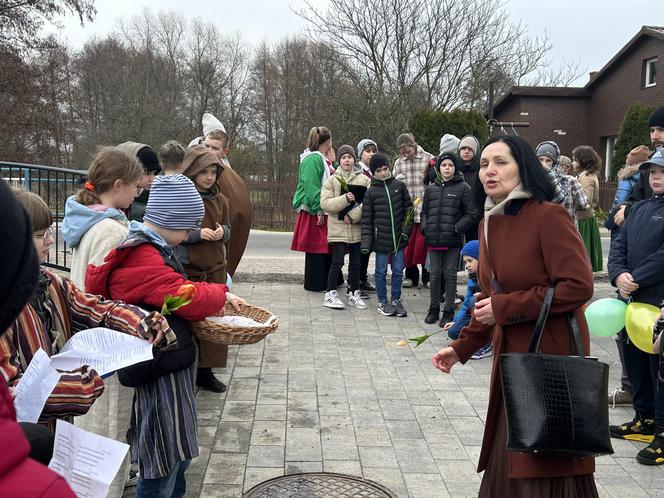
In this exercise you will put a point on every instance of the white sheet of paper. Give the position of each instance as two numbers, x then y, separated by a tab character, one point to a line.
103	349
87	462
34	388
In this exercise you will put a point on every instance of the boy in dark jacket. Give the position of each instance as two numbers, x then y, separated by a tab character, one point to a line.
387	215
447	213
635	267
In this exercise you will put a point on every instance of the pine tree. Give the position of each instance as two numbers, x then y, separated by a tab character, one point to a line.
633	132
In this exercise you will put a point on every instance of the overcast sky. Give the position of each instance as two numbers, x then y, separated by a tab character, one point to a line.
584	31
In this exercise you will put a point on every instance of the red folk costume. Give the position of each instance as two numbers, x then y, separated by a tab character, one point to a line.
308	236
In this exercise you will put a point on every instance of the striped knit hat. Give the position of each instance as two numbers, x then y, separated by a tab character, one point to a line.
174	203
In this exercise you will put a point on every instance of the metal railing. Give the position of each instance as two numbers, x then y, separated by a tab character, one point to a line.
54	185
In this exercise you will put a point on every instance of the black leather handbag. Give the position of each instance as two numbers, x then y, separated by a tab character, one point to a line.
556	405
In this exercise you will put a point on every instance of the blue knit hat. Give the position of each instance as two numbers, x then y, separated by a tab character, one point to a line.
174	203
471	249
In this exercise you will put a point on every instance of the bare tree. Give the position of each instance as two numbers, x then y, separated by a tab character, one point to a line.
22	20
412	54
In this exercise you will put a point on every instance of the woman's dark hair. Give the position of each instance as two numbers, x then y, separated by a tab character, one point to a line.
534	178
587	158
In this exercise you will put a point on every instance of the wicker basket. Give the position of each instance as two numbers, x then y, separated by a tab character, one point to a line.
227	334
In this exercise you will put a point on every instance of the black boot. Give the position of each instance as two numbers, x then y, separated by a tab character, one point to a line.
432	315
447	317
206	380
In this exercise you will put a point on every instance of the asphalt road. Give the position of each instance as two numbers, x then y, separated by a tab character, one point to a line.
277	244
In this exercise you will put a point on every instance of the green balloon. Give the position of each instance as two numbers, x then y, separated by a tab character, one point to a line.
606	317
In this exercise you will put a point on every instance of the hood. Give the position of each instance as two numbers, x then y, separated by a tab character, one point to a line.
97	277
308	152
628	170
79	219
551	150
131	148
197	159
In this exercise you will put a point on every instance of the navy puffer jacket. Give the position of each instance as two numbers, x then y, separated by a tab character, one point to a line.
383	216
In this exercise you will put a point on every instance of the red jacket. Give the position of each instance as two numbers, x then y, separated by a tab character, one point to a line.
20	476
139	274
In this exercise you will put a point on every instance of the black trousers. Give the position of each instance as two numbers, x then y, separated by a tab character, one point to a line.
642	369
364	267
316	271
41	441
338	255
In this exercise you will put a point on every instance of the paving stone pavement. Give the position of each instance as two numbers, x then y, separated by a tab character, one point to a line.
331	391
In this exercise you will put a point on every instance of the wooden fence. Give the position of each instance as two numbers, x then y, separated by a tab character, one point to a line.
273	204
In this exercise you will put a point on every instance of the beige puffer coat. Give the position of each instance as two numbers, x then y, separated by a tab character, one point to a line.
333	200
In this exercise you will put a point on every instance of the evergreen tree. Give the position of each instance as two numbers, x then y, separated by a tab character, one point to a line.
633	132
429	126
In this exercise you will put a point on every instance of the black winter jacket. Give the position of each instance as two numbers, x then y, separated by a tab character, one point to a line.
639	250
383	216
447	212
471	171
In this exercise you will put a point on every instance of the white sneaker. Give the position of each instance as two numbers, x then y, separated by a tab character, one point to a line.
332	300
407	283
355	299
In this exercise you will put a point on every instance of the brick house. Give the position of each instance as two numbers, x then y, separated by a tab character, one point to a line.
592	114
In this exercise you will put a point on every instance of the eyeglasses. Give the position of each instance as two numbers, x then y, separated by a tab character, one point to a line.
48	234
139	190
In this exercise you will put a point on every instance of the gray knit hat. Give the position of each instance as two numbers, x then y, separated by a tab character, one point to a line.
448	144
363	144
549	149
174	203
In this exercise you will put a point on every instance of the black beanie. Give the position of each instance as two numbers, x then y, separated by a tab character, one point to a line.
18	256
378	161
149	159
657	117
452	157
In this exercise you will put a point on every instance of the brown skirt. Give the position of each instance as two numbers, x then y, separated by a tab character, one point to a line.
495	483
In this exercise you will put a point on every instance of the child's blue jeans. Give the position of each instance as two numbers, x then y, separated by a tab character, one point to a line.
381	276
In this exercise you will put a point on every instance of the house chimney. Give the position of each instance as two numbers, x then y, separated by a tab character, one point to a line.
592	74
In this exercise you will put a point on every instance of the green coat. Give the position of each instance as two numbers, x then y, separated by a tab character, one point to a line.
309	184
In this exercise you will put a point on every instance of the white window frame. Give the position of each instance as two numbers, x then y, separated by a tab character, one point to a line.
649	66
608	163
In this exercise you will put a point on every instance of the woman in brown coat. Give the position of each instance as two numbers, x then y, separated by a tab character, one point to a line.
526	245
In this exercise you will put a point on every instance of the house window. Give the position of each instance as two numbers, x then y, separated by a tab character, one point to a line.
649	72
608	163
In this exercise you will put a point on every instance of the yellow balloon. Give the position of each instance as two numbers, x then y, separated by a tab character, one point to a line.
639	321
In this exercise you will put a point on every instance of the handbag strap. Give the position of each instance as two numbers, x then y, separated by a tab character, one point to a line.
541	321
579	347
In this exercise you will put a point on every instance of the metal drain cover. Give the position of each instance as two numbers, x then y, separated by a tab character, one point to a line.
319	485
